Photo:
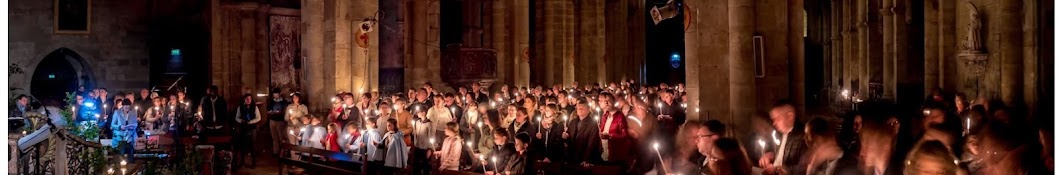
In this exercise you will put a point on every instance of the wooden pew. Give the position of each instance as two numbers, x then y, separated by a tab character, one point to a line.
338	164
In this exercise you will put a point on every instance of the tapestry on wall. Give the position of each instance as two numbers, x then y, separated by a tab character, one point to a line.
285	63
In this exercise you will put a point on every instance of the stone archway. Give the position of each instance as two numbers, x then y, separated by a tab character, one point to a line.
61	71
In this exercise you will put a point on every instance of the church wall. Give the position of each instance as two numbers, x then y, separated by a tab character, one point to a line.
115	50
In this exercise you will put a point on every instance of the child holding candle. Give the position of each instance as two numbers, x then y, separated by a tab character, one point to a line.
351	139
393	147
452	146
366	145
331	141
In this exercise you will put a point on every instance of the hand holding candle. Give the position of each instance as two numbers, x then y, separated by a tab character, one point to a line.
655	145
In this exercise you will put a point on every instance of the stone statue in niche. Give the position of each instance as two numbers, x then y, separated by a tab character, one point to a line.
973	42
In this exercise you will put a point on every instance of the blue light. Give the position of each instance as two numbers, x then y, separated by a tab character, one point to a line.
675	60
90	104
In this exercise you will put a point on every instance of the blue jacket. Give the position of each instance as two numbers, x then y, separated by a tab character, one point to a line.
123	118
396	152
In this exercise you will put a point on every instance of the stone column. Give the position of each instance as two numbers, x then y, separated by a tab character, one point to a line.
1011	47
741	68
931	44
521	25
889	70
1031	15
901	78
424	39
501	40
337	46
862	54
692	64
590	41
836	49
948	44
312	49
637	39
850	61
365	57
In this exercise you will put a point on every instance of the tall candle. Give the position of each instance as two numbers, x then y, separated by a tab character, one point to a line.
656	146
482	159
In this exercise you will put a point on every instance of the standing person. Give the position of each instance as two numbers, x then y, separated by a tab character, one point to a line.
404	120
125	124
786	158
331	140
548	140
582	135
278	113
452	147
439	115
501	151
153	115
455	110
422	132
247	117
211	109
350	114
367	143
295	111
670	117
724	157
145	100
614	133
824	153
394	148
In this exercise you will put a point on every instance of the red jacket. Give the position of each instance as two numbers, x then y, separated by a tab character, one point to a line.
331	142
620	144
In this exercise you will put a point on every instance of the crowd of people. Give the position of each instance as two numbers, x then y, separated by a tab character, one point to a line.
623	127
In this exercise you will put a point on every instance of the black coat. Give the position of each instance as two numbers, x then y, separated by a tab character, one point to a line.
550	144
583	145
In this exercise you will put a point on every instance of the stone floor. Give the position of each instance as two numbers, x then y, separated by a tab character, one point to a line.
267	165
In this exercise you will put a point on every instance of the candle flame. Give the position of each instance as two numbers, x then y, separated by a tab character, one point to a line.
655	145
761	143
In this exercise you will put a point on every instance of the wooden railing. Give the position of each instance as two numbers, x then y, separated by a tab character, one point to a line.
318	161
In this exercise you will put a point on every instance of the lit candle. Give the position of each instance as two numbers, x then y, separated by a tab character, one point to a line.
656	146
123	170
73	108
482	159
927	112
968	125
290	132
762	146
122	163
110	170
431	140
659	105
104	106
494	160
539	124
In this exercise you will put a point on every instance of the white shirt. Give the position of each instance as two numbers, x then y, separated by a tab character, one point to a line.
781	151
607	130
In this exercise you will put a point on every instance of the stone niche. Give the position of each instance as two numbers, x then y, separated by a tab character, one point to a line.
462	66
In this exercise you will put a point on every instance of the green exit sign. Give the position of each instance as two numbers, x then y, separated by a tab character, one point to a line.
51	76
174	52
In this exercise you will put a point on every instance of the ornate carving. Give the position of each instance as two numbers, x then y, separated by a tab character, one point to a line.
462	66
973	42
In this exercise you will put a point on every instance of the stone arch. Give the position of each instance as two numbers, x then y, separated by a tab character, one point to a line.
60	71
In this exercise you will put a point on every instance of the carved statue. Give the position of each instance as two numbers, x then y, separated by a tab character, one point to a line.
973	42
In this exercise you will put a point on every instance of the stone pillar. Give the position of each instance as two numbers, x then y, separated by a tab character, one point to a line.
313	49
424	38
502	42
617	33
337	45
741	68
889	70
637	39
692	64
902	54
521	52
590	41
366	48
797	54
836	49
1030	55
862	54
1011	42
850	61
931	44
948	44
